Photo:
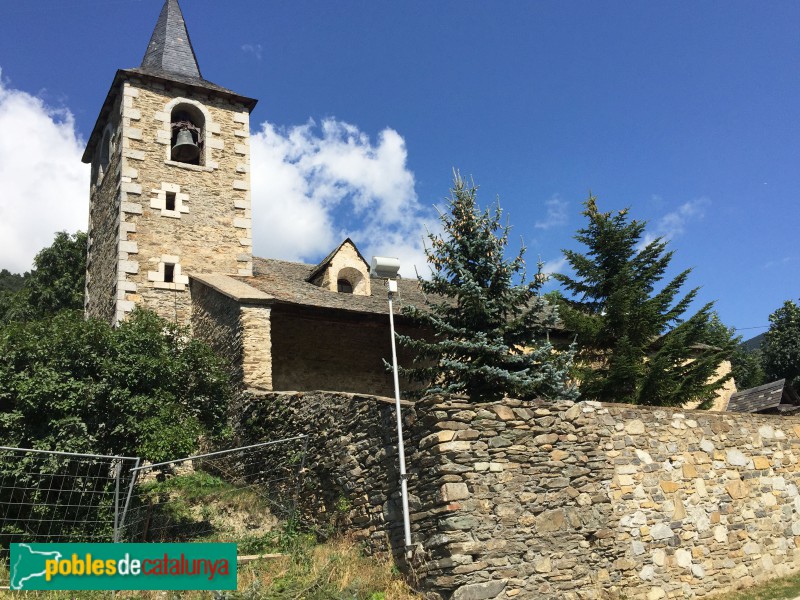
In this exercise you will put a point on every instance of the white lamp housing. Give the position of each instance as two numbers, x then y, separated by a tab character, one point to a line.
384	267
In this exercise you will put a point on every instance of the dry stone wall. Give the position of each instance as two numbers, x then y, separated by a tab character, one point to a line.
557	499
351	468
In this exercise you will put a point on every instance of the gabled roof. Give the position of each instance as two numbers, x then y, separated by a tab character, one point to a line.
326	261
764	397
287	283
170	49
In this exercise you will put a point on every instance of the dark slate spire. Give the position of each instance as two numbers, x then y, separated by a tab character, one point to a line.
170	49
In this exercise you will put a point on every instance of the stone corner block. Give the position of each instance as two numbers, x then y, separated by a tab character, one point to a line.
454	491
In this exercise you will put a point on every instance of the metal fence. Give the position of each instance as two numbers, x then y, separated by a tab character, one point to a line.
241	495
48	496
246	495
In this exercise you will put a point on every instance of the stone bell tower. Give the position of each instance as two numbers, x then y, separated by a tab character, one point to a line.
170	183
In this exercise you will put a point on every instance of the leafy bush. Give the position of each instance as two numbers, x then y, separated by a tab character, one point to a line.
142	389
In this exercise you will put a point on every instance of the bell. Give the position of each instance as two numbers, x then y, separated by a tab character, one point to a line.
185	150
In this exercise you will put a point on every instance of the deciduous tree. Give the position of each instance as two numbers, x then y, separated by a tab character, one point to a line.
142	389
782	345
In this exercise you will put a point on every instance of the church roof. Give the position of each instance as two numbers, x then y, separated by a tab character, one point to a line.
286	283
170	49
170	54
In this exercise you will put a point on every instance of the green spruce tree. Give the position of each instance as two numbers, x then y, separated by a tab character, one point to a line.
634	343
488	324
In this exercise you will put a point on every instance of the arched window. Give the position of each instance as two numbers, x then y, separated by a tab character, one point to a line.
188	134
344	286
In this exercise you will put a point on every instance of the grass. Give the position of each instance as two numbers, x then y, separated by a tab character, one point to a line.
785	588
202	507
336	570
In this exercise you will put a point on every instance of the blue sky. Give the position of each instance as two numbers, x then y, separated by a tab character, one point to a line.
685	111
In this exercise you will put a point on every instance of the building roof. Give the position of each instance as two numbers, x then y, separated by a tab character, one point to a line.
170	49
326	261
286	283
764	397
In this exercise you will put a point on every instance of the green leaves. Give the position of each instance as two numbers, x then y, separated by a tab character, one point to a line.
143	389
488	324
57	282
781	349
635	344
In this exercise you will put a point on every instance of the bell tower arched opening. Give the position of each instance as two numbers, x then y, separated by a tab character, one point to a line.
188	134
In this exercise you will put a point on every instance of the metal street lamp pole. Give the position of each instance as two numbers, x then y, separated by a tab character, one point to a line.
392	284
387	268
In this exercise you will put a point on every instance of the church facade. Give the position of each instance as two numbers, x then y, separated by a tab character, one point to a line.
170	231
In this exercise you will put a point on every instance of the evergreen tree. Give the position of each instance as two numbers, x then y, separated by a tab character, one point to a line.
782	345
488	324
634	344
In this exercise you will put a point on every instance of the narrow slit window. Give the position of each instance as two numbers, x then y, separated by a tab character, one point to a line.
170	205
169	273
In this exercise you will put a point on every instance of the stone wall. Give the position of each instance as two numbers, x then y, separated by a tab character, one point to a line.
209	227
556	499
588	501
215	320
351	469
103	229
313	350
227	315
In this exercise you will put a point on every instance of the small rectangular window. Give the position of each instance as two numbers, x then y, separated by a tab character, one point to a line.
170	201
169	273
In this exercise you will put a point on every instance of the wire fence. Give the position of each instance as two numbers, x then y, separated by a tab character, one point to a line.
246	495
240	495
48	496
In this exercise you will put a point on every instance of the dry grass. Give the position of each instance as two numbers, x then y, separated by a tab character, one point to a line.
785	588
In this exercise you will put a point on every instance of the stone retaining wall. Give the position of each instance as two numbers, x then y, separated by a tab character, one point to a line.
556	499
351	472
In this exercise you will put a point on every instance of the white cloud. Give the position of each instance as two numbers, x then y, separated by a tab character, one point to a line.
314	185
554	266
44	187
556	213
674	223
780	262
254	49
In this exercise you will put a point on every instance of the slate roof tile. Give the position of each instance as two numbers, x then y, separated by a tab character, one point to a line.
764	397
287	283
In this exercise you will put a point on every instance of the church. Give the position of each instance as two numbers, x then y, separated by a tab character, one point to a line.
170	231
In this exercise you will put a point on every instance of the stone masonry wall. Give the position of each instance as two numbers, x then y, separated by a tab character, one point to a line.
103	228
351	478
215	320
342	355
210	228
554	499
